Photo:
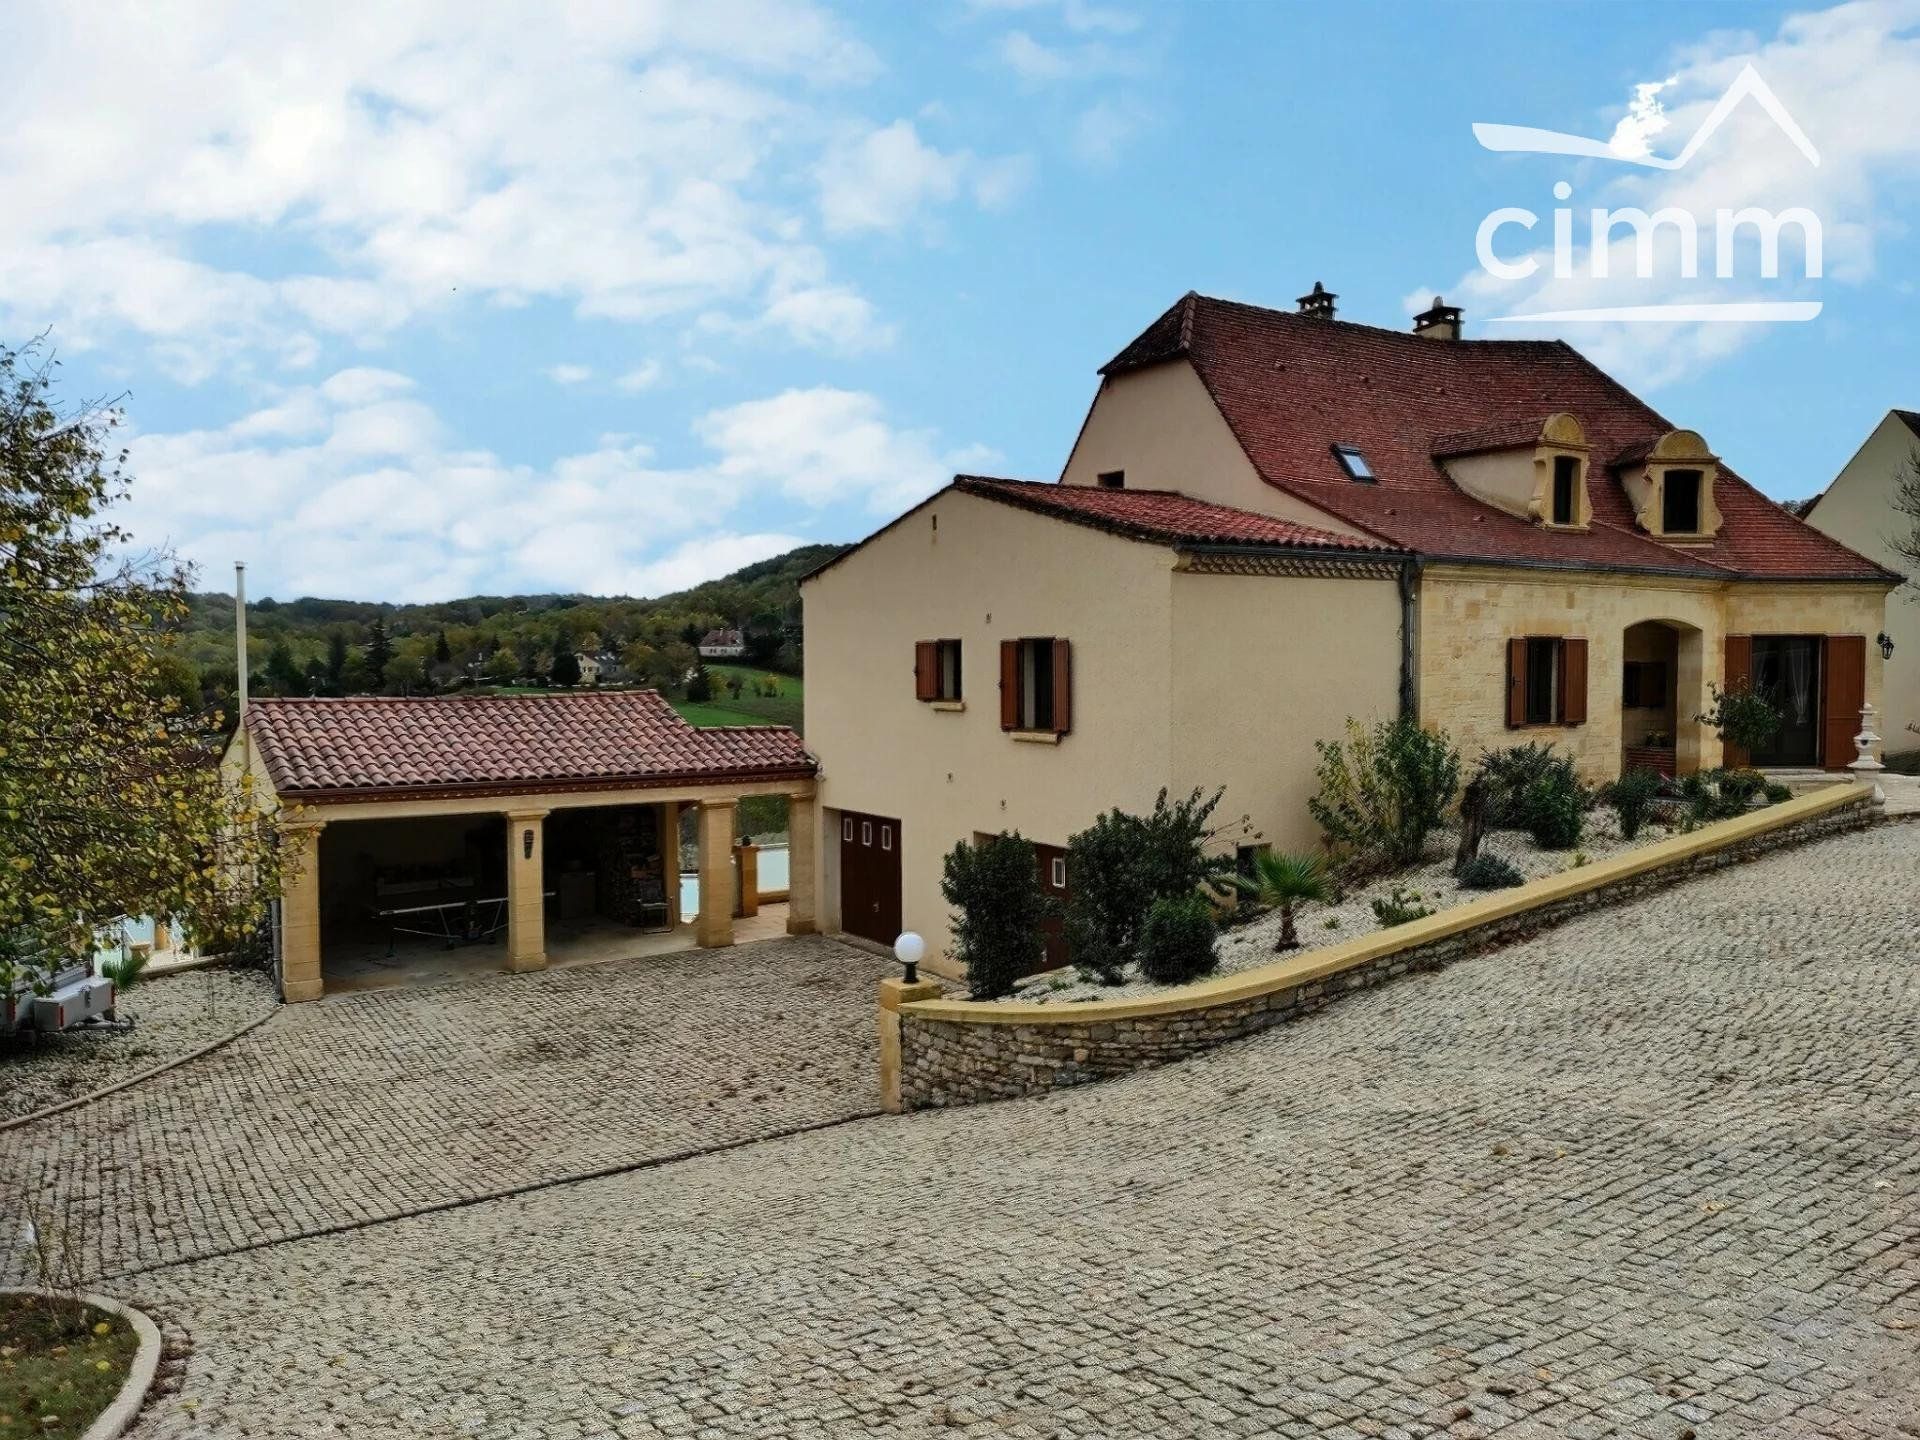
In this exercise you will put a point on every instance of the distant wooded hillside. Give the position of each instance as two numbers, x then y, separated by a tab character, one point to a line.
349	647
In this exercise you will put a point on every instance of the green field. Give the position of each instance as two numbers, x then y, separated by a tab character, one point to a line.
747	708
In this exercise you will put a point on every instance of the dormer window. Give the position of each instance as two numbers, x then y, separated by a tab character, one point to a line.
1354	463
1670	484
1535	469
1680	502
1566	490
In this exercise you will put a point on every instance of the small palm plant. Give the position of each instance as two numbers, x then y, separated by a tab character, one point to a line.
1284	881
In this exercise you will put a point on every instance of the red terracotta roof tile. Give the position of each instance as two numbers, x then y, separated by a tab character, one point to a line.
377	746
1162	516
1291	387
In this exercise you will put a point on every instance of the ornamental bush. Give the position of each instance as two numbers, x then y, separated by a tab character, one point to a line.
1122	863
1382	791
1741	717
994	888
1399	907
1508	775
1176	942
1632	797
1490	872
1554	810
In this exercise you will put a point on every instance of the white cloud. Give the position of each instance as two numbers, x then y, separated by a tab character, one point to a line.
1850	77
823	445
890	176
1104	128
643	376
634	161
351	488
569	374
1031	60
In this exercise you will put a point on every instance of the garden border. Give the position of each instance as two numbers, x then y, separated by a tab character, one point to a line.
125	1407
957	1052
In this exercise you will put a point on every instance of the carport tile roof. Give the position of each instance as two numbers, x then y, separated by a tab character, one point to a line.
375	746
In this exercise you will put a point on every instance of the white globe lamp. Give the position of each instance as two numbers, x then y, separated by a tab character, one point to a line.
909	949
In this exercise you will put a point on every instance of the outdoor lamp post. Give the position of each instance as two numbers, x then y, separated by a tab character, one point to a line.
908	949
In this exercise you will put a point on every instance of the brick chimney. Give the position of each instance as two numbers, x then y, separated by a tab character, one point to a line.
1318	302
1442	322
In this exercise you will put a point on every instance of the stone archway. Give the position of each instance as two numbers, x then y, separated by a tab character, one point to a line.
1662	691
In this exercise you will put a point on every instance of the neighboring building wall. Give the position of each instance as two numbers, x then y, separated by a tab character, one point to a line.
962	567
1162	428
1858	511
1468	613
1263	666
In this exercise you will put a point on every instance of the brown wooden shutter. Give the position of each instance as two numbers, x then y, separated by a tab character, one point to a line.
926	670
1573	681
1738	675
1009	684
1062	686
1516	684
1843	690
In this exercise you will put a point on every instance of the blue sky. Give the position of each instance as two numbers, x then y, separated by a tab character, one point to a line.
622	296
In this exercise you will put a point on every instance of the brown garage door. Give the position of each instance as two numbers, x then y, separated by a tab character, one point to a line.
870	876
1053	884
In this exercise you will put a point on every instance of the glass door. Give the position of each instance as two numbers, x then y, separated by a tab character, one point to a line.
1786	671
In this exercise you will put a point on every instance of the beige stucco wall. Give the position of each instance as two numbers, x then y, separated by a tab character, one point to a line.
1858	511
985	573
1161	426
1263	666
1467	614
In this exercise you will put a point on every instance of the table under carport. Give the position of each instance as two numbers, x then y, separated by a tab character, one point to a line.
464	820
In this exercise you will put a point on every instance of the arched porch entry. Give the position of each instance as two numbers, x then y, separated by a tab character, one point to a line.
1662	690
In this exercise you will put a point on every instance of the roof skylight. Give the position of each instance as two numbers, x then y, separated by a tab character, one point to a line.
1354	463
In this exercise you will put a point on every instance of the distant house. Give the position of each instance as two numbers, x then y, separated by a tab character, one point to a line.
722	645
1861	508
590	667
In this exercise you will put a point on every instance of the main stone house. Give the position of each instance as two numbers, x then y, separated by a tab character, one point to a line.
1271	522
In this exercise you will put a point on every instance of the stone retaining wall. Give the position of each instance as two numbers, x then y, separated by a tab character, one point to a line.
960	1052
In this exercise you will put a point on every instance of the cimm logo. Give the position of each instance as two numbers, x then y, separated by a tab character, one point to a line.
1637	232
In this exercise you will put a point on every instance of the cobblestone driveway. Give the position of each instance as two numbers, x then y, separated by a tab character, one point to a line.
374	1105
1653	1174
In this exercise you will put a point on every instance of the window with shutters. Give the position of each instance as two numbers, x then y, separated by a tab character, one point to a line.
1546	681
936	671
1036	686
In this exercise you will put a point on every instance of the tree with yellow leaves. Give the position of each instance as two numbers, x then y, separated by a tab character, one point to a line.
112	798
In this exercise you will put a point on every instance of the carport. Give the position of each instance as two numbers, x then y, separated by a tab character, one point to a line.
529	825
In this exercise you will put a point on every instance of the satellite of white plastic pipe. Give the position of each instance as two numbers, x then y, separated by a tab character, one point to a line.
240	630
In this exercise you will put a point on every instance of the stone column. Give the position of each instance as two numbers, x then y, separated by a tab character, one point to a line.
893	994
300	977
670	860
715	925
803	879
526	886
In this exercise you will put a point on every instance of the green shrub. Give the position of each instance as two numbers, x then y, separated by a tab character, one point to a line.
1776	792
1176	942
1507	776
1741	717
1554	810
1490	872
1383	791
1284	881
1399	907
1720	794
994	888
1122	863
1632	797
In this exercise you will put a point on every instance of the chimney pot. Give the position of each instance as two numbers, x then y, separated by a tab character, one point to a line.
1318	302
1441	322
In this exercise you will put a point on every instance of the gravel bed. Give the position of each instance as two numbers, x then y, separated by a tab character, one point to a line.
1249	946
173	1015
